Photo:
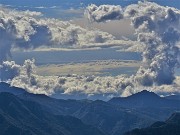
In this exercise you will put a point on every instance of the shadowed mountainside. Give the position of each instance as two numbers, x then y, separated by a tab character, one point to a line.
169	127
19	117
114	117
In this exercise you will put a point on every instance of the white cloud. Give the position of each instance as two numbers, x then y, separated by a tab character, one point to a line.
8	70
157	29
103	12
89	86
28	30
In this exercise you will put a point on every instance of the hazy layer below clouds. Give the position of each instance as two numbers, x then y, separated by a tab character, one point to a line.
100	68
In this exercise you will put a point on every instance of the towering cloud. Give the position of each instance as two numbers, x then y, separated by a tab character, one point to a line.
157	27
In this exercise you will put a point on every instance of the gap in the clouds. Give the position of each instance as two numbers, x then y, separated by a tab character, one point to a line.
63	57
102	62
96	68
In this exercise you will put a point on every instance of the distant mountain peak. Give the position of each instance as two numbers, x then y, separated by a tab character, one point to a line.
145	99
141	94
145	93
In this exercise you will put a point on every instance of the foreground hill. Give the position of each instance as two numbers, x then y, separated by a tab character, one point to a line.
169	127
19	117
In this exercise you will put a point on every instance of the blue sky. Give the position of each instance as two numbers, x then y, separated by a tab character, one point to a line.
59	8
76	3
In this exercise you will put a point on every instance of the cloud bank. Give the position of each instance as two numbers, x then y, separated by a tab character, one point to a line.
106	87
27	30
157	29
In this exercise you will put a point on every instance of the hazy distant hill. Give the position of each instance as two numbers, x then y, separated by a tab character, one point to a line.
173	97
144	99
169	127
148	103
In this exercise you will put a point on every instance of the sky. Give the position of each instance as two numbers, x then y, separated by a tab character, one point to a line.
90	49
76	3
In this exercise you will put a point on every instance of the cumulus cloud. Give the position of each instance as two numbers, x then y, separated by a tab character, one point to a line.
103	12
29	30
8	70
157	29
25	76
105	87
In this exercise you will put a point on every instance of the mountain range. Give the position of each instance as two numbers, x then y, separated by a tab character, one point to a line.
114	117
20	117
